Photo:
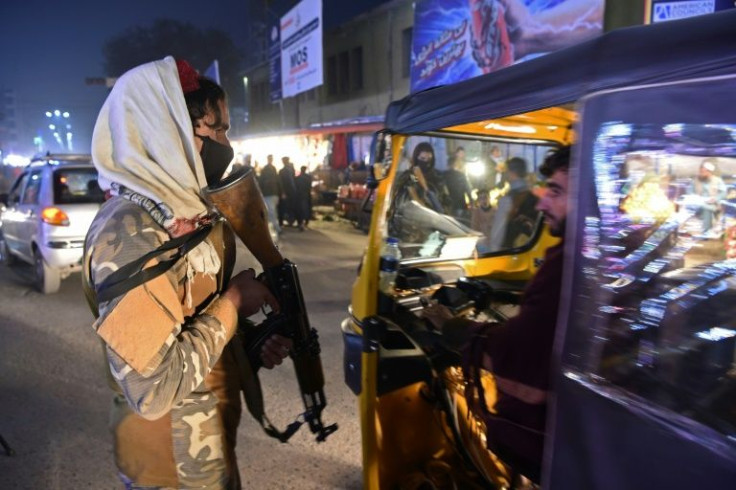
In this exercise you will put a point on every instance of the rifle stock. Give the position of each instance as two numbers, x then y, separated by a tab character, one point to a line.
239	200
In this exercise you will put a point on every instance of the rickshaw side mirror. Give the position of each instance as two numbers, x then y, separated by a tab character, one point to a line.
380	158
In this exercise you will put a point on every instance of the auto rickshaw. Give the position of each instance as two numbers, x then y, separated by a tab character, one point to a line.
644	380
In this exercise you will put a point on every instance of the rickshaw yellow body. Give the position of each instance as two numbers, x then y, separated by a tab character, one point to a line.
391	447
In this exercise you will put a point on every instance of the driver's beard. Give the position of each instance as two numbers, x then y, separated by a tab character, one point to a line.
558	230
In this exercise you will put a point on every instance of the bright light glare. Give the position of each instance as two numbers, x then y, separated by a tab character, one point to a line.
48	114
17	160
57	113
475	168
716	334
511	129
66	114
52	127
302	151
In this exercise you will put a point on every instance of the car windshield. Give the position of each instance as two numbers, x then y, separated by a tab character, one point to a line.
454	198
77	186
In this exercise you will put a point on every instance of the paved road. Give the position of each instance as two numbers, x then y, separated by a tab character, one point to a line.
54	401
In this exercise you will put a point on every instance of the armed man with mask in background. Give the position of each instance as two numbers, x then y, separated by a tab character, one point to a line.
518	352
160	138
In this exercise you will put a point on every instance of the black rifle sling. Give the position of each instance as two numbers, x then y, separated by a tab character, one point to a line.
133	274
250	384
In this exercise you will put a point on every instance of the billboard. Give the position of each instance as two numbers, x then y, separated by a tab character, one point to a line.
301	48
664	10
455	40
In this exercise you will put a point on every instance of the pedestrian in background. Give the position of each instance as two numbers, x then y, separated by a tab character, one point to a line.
287	204
481	219
458	187
270	185
303	198
247	162
516	212
712	190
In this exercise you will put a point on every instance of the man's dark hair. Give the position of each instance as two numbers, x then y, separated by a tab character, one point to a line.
517	165
205	99
555	160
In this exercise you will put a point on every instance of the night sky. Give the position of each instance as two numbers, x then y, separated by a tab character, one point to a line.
49	47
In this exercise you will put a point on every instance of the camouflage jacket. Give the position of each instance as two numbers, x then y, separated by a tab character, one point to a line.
177	405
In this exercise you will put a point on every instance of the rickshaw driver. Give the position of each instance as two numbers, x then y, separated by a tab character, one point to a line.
518	352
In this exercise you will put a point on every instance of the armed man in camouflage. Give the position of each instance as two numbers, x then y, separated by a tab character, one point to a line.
161	137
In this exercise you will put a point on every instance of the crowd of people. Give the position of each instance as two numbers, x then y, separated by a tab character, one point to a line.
499	202
288	196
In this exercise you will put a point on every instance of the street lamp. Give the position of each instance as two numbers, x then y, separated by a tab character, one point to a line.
60	125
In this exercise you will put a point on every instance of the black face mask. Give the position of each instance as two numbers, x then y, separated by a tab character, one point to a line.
215	157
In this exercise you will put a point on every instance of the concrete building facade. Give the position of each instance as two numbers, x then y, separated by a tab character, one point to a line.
366	63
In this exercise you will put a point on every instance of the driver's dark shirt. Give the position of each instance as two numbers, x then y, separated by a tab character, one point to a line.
520	352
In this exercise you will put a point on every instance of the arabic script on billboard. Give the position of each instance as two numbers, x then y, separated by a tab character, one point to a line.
455	40
301	48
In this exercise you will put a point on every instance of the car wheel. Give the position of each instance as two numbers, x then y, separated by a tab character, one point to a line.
7	258
48	279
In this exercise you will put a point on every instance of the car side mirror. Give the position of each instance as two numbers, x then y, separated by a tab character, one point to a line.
380	158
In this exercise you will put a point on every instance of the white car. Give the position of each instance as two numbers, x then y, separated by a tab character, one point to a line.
47	214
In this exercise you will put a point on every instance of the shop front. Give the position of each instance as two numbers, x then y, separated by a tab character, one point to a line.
330	151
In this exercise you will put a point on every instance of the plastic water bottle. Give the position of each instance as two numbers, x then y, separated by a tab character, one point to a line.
389	265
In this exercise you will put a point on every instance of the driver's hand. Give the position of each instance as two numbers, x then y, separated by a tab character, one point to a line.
454	329
437	315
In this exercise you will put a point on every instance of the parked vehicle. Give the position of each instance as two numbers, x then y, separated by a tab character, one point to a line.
48	211
644	381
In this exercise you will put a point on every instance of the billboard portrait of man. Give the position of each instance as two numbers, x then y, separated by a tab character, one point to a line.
459	39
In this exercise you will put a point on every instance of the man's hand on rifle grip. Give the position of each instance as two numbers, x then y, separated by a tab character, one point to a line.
248	294
274	350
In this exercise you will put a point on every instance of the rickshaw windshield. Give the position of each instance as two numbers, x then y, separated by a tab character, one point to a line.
459	197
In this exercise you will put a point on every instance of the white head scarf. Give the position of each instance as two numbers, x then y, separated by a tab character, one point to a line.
144	140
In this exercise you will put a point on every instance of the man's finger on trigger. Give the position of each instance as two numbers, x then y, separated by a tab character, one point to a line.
272	301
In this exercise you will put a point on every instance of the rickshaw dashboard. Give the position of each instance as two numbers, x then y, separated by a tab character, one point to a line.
477	299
